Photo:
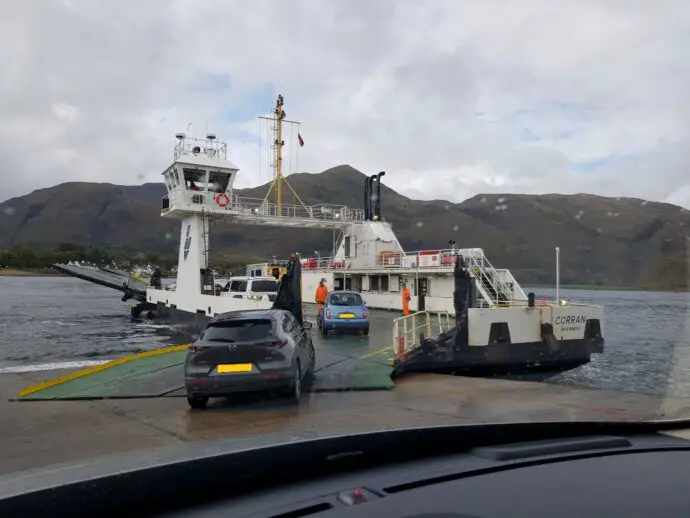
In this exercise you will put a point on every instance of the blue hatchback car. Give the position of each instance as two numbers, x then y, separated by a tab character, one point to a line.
344	311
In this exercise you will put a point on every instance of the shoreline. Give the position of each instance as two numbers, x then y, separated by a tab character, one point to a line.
38	272
590	287
49	272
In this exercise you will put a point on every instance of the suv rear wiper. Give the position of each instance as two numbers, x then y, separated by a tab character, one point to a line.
228	340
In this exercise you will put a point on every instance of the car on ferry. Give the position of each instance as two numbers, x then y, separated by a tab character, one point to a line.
251	288
247	351
344	311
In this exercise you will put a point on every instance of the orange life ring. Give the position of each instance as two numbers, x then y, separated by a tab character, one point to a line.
222	200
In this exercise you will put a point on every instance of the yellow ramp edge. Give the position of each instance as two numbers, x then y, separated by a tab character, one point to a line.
97	368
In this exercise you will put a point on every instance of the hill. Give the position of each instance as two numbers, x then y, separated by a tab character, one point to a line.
607	241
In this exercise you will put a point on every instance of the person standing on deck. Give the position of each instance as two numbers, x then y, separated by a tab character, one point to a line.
406	299
321	294
156	279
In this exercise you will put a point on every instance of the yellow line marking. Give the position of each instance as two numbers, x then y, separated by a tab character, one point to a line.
141	280
380	351
98	368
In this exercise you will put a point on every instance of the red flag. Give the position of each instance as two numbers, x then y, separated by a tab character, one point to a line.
300	140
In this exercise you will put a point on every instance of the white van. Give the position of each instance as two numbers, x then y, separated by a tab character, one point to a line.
251	288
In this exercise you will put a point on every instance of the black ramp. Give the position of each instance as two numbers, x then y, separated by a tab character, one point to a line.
108	279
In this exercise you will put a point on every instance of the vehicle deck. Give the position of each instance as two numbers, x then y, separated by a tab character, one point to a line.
343	363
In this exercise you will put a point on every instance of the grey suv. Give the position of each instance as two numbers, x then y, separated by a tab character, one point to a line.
252	350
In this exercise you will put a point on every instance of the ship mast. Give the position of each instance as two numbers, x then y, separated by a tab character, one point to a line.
278	144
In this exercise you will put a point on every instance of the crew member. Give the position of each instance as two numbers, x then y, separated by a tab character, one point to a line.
406	300
321	294
156	279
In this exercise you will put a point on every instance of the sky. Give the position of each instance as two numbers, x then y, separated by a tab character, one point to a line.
451	98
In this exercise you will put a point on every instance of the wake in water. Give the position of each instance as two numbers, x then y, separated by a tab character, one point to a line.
18	369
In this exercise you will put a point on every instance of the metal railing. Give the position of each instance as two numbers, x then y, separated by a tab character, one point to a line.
492	284
407	330
241	206
422	259
208	148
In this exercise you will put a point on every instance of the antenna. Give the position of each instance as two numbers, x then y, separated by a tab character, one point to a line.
277	121
279	114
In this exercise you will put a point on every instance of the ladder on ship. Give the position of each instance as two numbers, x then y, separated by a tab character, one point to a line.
488	281
205	231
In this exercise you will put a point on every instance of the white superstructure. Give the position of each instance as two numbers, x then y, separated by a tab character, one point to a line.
199	186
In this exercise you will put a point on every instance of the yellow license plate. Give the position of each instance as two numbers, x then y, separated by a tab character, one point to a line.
235	367
347	315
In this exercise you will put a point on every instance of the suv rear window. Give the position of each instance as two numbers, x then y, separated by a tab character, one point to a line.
346	299
264	286
238	331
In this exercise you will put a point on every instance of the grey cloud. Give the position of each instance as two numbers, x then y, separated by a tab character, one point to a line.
439	93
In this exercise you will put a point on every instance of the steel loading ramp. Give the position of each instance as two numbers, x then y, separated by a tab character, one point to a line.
136	289
160	373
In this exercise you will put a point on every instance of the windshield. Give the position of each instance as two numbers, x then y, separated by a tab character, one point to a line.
264	286
489	204
345	299
238	331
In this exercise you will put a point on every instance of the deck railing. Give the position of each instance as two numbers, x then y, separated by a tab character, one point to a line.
408	329
421	259
259	208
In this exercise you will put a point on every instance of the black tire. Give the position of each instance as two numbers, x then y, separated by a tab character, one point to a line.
365	331
296	388
312	365
197	402
324	330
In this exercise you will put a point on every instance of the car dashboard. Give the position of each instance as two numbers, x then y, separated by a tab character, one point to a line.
593	470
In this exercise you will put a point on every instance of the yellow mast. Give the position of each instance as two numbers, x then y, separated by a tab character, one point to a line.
279	143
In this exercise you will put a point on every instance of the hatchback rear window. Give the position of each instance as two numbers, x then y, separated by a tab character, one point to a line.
346	299
264	286
238	331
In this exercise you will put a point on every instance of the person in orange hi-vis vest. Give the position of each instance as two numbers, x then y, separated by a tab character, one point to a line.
406	300
321	294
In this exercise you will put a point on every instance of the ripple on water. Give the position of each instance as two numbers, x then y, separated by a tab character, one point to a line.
62	319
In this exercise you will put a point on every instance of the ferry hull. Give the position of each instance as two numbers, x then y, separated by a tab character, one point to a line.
501	359
183	321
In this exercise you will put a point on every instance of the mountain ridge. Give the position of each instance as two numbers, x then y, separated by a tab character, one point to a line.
611	241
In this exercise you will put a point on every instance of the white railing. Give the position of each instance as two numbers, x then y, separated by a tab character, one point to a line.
422	259
407	330
207	148
501	282
239	206
257	207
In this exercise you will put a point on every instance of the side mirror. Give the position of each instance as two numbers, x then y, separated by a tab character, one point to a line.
306	326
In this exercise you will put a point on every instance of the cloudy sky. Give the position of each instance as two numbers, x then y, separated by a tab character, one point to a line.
451	98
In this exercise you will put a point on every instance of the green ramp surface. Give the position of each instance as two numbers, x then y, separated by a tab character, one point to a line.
337	369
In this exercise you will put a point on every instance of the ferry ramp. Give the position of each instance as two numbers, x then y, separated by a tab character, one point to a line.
343	363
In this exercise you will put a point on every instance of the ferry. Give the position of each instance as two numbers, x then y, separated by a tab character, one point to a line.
494	323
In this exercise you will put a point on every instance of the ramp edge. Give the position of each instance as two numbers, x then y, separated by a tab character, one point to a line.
97	368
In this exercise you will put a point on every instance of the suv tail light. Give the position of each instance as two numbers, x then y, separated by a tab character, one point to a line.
328	312
197	348
365	313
